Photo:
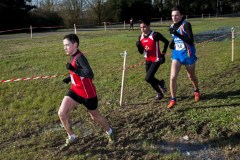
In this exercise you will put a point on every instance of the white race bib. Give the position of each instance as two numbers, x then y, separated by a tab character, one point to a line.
72	80
179	46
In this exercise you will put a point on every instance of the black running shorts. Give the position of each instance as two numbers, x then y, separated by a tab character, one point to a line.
89	103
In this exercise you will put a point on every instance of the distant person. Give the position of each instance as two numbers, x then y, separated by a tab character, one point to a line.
131	24
82	91
148	44
183	53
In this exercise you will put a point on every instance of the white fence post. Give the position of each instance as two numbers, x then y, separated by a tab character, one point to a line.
124	25
105	27
232	43
75	30
31	31
124	55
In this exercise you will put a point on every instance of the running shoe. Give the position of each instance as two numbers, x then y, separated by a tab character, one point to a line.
162	86
171	104
159	96
197	96
111	137
69	142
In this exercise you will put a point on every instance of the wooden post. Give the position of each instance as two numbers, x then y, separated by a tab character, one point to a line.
123	75
105	27
202	16
75	30
161	20
209	15
232	43
31	31
124	25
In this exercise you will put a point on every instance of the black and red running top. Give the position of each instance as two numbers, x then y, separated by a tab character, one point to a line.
151	45
82	76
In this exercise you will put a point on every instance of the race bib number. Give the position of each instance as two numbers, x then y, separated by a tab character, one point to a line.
179	46
72	80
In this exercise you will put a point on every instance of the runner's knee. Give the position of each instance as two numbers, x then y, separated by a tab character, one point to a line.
96	118
148	79
173	78
192	77
61	114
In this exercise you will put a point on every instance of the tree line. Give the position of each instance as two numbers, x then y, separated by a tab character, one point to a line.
23	13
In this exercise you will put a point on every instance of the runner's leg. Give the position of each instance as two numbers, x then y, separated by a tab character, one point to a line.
151	69
66	106
175	68
97	117
192	76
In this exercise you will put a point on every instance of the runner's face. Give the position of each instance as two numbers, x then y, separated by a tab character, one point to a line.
69	47
176	16
144	28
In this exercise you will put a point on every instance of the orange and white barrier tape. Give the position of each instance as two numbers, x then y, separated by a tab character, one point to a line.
136	65
31	78
213	39
129	67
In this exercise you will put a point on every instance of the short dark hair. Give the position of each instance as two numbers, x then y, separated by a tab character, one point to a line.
73	38
179	8
145	21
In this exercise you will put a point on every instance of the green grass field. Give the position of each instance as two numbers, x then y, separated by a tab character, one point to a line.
30	127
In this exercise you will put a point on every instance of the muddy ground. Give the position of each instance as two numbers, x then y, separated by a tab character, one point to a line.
143	132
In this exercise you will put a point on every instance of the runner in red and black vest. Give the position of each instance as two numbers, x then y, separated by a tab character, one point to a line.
82	91
148	44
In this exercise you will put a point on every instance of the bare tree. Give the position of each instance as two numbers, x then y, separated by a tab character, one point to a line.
47	5
97	6
72	11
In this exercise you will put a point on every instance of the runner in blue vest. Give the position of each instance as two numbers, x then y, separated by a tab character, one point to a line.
183	53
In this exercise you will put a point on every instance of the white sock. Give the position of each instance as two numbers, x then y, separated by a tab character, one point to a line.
73	136
109	132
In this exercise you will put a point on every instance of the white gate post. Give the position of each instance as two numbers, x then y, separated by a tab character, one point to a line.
123	75
75	30
232	43
31	31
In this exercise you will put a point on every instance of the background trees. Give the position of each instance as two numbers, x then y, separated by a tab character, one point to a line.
22	13
14	13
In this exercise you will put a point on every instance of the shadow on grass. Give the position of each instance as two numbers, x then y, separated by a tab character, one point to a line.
204	97
192	149
232	140
222	95
219	95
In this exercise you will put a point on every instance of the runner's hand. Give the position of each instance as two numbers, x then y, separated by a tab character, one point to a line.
140	47
172	31
172	45
70	67
67	80
162	59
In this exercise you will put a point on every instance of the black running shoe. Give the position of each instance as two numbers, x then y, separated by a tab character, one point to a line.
159	96
162	86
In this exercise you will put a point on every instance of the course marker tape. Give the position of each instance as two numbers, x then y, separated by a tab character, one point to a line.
31	78
129	67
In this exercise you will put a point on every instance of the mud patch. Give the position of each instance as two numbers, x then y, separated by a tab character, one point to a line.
191	149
